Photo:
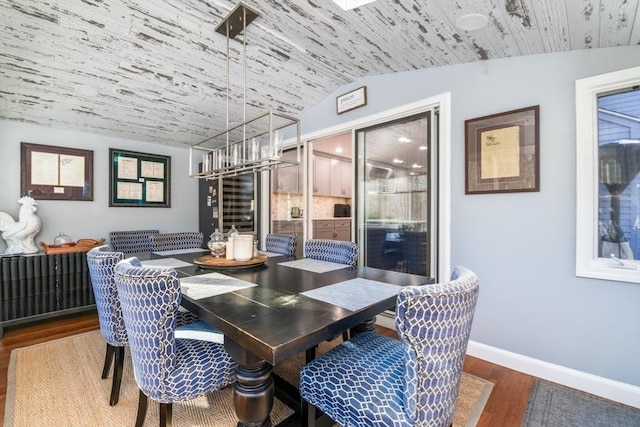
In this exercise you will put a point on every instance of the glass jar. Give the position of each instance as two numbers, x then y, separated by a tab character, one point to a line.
230	242
61	239
216	244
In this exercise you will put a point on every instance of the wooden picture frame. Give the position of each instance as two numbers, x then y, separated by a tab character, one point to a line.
55	173
139	179
351	100
502	152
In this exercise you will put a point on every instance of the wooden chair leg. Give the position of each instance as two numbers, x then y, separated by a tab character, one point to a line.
308	416
142	409
117	375
345	335
166	414
108	358
310	354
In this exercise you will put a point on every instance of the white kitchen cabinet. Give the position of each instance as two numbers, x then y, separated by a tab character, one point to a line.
288	179
341	178
321	176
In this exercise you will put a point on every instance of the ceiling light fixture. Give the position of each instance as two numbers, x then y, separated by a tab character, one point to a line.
404	139
255	145
471	22
422	147
351	4
398	161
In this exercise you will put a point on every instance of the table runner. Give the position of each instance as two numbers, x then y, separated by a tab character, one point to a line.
211	284
354	294
314	265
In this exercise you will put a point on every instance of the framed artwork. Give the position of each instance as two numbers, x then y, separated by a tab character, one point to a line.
139	179
55	173
502	152
351	100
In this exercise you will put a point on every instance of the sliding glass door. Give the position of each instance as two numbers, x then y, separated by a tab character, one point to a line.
396	194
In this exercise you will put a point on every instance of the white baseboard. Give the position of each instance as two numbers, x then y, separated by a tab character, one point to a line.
603	387
609	389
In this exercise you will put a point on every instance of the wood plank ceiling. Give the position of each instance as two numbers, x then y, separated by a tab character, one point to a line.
155	70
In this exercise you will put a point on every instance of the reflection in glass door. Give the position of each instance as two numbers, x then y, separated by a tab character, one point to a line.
397	204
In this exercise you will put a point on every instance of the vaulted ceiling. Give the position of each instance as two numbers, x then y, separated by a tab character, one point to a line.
155	70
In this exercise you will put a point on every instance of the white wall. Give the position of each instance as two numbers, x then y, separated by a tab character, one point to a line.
94	219
522	245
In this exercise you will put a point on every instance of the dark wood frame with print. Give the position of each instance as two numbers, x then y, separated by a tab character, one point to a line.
502	152
48	172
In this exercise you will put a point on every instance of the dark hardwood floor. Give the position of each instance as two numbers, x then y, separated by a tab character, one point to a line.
505	407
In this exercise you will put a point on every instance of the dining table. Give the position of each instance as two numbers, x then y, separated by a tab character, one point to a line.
278	307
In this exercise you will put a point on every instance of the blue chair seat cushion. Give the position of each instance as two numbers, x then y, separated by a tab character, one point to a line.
199	368
366	375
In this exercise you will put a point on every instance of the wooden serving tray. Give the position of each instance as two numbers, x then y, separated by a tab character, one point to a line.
83	245
209	261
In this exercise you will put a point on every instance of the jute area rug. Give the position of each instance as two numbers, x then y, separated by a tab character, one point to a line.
58	384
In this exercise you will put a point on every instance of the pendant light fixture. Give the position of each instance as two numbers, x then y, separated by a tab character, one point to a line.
255	145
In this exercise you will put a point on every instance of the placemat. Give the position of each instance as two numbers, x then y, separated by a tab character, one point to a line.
165	263
211	284
313	265
180	251
270	254
354	294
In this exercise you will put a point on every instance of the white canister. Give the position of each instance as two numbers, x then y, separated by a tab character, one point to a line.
230	250
243	247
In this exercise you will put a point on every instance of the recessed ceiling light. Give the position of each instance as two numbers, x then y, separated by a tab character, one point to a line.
404	139
398	161
416	166
472	22
351	4
339	150
422	147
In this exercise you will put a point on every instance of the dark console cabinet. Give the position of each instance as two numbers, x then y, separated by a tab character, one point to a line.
40	286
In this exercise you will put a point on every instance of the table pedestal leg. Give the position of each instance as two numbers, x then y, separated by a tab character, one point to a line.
253	391
367	325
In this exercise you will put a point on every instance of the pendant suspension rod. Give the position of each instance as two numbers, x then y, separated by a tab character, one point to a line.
228	80
244	74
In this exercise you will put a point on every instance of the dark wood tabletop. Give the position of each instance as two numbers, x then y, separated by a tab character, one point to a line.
273	321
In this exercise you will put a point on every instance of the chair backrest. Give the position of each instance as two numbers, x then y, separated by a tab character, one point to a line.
150	298
434	322
101	265
175	241
131	241
280	243
337	251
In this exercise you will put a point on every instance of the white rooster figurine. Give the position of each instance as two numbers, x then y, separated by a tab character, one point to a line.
19	235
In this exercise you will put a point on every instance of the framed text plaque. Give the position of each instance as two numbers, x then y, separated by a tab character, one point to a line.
139	179
502	152
55	173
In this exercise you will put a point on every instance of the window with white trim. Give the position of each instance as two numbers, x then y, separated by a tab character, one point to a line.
608	176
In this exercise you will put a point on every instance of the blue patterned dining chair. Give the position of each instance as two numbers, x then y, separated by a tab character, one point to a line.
167	369
176	241
284	244
375	380
337	251
101	263
131	241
